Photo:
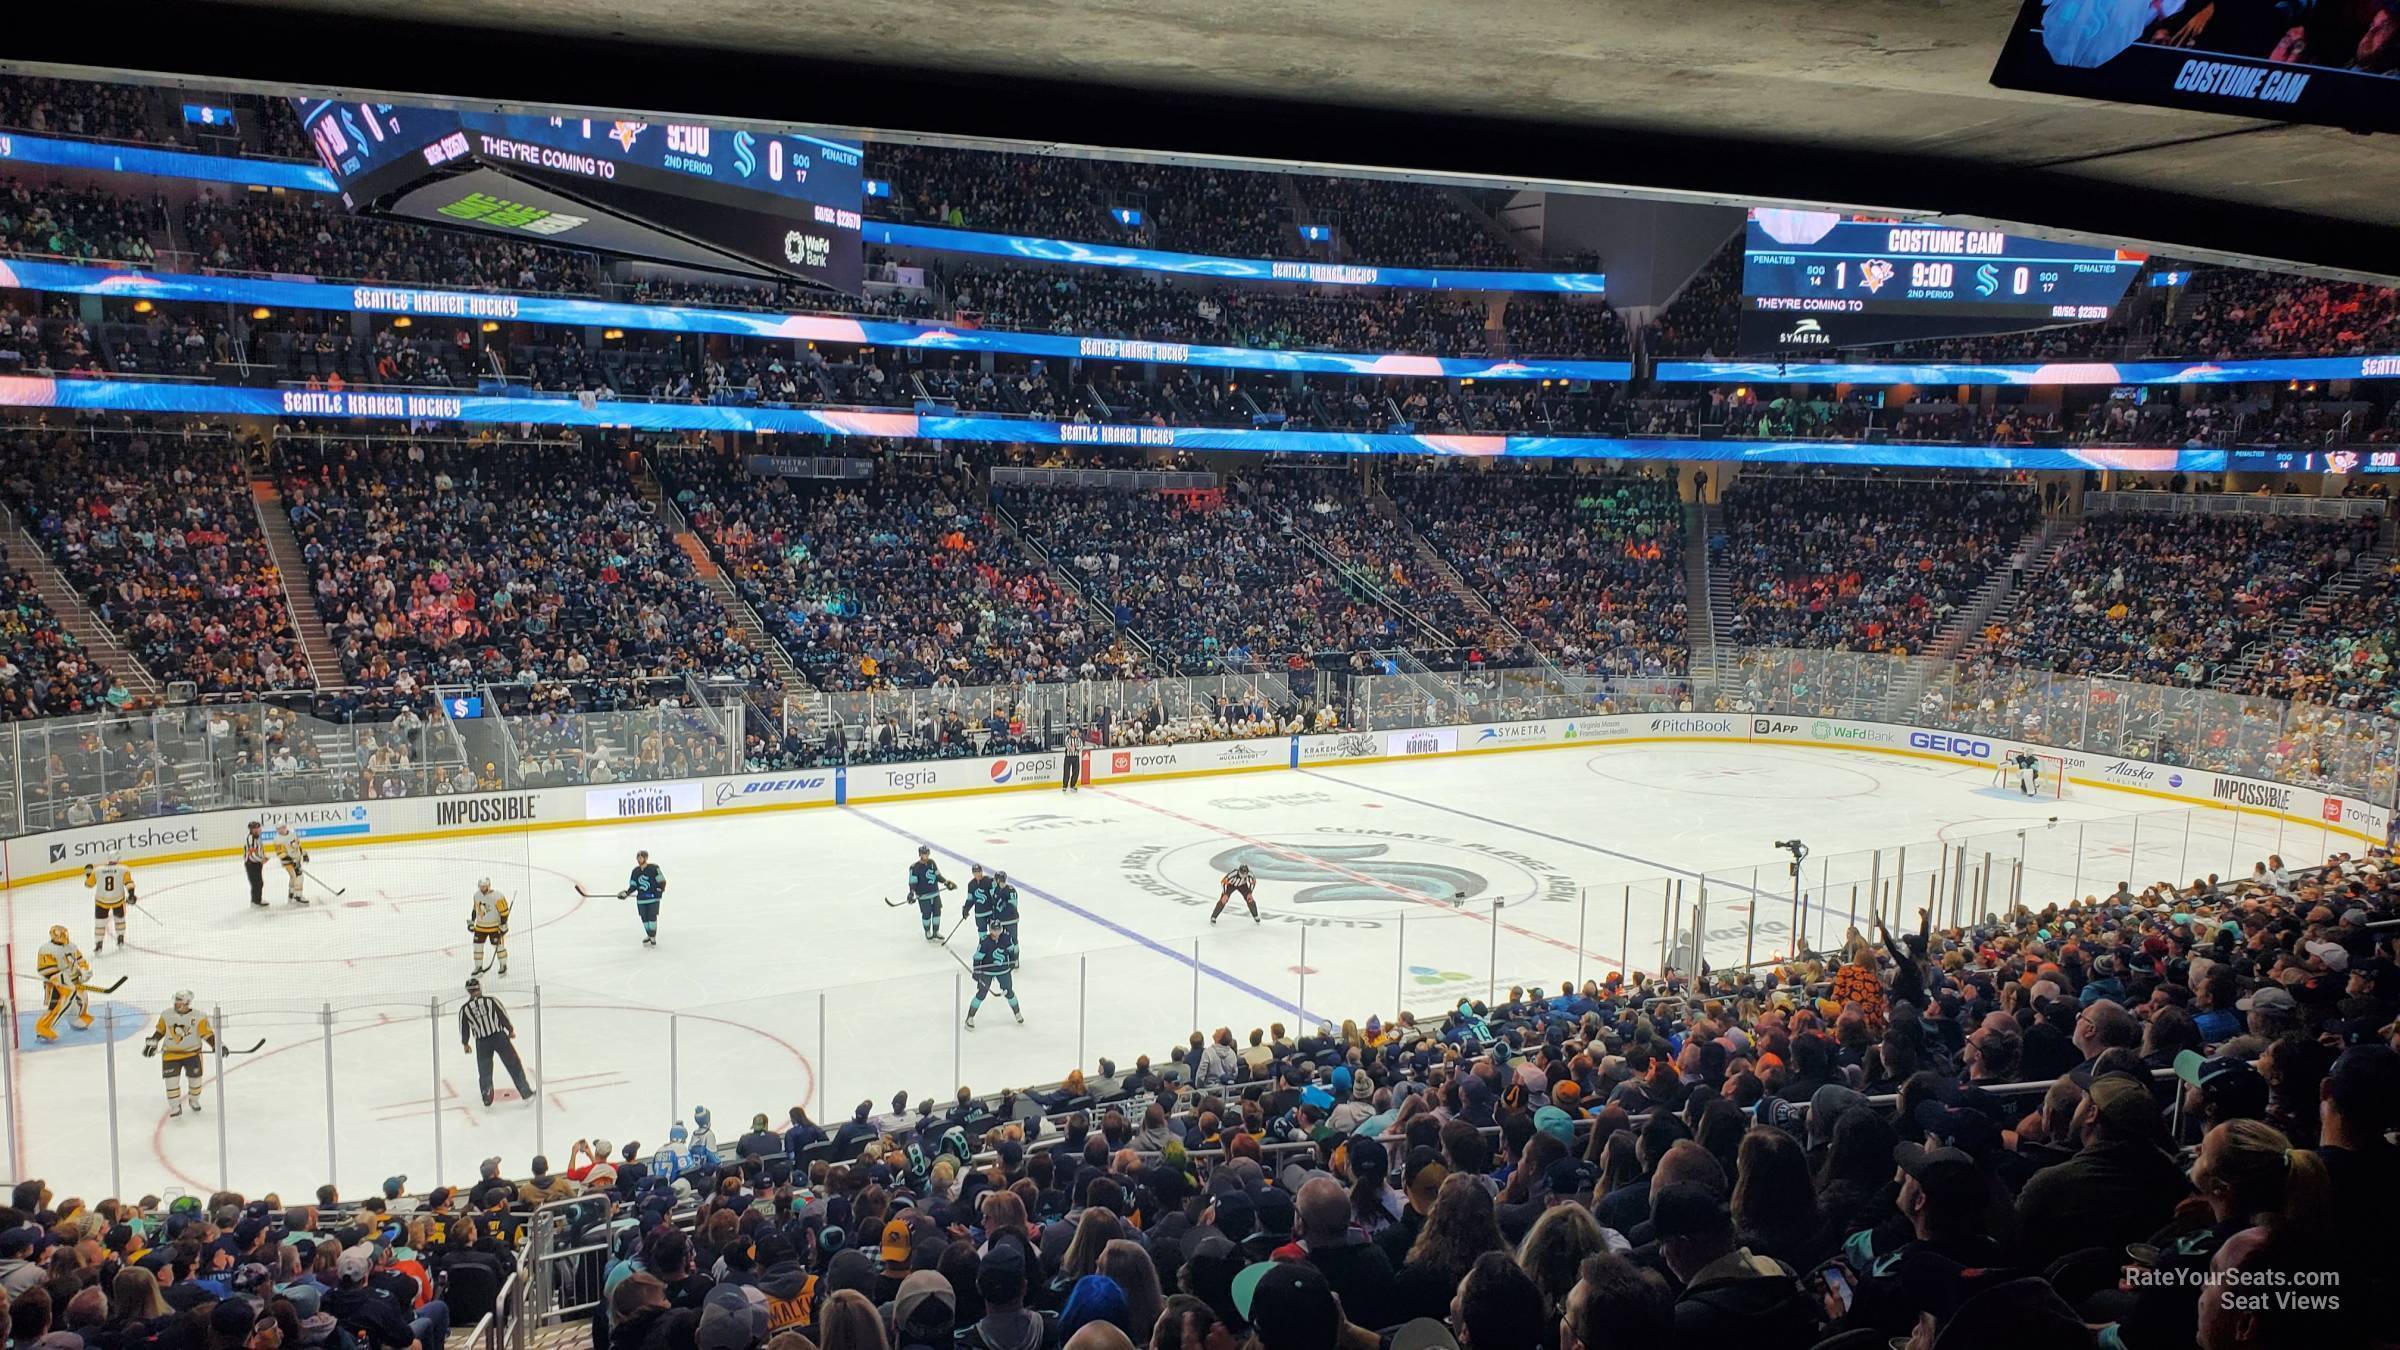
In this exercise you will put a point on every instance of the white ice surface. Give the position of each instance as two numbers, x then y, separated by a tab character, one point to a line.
781	977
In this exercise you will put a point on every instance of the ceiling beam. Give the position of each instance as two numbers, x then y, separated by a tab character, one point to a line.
287	50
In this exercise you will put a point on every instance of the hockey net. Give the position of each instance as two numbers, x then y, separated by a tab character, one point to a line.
2051	781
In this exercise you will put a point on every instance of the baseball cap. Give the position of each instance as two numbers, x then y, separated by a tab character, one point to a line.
2335	956
1569	1176
2270	997
393	1186
2125	1104
1288	1304
1959	1128
916	1289
355	1263
895	1242
1425	1333
307	1299
1948	1176
1211	1264
1551	1120
2234	1086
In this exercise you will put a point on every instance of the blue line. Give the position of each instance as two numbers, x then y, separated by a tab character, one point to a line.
1182	958
1817	905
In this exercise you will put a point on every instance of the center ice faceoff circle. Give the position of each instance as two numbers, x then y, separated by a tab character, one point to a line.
1348	869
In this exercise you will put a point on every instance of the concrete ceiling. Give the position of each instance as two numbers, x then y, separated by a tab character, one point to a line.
1880	103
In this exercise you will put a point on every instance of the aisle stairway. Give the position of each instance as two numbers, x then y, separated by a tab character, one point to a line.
1963	630
2040	549
1700	627
316	637
1719	592
74	617
1432	564
2370	563
742	621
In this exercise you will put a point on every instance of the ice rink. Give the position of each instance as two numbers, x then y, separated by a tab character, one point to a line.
782	978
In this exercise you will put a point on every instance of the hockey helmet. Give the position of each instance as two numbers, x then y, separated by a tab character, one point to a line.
183	998
483	883
975	867
924	850
1001	877
474	986
283	831
58	934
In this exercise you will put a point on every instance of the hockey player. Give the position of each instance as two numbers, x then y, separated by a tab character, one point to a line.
111	886
979	890
64	973
1238	881
1004	901
2029	772
925	885
995	963
181	1034
998	905
295	863
646	885
489	923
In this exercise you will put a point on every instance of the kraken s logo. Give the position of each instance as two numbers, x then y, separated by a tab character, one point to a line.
1331	872
744	160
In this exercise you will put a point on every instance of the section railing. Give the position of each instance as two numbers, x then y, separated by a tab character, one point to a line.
62	772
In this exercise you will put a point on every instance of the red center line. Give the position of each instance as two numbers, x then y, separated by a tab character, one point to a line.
1403	892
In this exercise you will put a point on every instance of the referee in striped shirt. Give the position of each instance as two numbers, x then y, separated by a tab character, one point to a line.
254	862
483	1026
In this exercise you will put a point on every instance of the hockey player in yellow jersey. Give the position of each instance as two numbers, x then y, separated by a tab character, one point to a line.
181	1034
111	885
295	863
489	923
64	973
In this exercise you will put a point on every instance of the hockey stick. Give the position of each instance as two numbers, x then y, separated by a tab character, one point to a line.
962	922
890	903
101	988
252	1050
337	891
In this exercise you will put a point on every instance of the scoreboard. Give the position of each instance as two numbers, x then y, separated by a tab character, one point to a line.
1812	278
2276	460
788	204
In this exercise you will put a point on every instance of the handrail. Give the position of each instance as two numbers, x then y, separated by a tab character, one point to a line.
1083	586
